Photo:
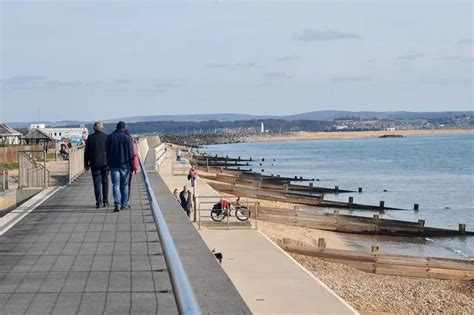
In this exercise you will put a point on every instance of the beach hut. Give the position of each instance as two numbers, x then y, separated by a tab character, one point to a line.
9	136
36	136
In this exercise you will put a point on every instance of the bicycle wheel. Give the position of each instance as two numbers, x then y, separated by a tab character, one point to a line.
217	215
242	213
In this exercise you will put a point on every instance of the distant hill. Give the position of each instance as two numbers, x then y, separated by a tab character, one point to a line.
325	115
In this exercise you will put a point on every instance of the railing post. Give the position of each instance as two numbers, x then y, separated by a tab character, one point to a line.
44	171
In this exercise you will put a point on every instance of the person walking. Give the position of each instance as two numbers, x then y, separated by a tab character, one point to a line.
135	162
186	200
119	153
176	195
94	159
192	175
178	155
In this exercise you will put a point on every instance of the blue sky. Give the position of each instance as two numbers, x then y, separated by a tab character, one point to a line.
88	60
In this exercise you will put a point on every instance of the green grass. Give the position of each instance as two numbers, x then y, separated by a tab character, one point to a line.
9	166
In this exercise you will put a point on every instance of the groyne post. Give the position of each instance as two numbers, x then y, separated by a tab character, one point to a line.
351	201
360	189
421	223
336	188
321	243
382	204
462	228
416	206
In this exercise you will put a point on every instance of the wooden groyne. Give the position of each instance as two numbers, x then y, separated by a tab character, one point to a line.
355	224
244	188
399	265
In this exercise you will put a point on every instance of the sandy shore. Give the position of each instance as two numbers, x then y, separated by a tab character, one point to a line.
356	134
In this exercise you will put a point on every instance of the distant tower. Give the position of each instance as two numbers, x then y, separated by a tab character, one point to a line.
262	127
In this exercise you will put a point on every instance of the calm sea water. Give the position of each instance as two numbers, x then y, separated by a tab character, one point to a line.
436	172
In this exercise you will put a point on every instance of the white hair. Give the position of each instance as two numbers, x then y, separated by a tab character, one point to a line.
98	126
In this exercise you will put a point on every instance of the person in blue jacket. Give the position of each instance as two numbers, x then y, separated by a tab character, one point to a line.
120	159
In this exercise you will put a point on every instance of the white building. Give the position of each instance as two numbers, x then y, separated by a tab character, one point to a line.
262	127
36	126
63	134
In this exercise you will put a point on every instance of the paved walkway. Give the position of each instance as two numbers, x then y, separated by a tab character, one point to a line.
66	257
268	279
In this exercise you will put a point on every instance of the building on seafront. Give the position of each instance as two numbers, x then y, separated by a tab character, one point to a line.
9	136
64	134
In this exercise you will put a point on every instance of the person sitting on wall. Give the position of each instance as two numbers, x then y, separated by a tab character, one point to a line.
63	152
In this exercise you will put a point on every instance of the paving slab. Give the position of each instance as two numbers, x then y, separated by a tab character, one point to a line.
67	257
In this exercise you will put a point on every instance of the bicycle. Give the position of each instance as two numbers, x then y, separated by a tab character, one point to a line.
218	213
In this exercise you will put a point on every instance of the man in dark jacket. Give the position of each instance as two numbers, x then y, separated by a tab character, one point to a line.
186	200
119	152
94	158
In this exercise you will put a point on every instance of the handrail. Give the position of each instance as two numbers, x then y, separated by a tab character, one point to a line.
183	291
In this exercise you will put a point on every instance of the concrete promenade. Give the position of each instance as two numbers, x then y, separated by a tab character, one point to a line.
67	257
269	280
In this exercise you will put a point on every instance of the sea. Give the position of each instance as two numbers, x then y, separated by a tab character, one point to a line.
435	171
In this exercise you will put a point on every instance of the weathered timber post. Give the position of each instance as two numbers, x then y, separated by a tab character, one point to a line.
421	223
296	214
45	182
336	212
321	243
285	188
336	188
360	189
376	217
351	201
462	228
416	206
382	204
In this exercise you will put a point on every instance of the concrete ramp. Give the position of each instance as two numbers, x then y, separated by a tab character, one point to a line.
269	280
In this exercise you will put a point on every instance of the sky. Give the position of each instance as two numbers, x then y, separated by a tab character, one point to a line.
90	60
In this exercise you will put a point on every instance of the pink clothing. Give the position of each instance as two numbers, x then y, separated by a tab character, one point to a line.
135	157
193	173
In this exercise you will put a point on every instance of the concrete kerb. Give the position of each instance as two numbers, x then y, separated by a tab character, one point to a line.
310	274
13	217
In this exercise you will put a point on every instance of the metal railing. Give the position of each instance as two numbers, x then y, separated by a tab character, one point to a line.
183	291
32	173
75	163
205	204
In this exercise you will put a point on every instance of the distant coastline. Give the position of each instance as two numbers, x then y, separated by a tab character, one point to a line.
198	140
347	135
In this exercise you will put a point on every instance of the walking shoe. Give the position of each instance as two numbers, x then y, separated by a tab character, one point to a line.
125	207
116	208
97	205
106	204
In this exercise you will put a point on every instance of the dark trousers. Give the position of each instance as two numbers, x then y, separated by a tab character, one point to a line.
129	184
100	176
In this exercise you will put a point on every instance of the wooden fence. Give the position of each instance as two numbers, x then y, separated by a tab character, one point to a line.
32	173
10	154
76	163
